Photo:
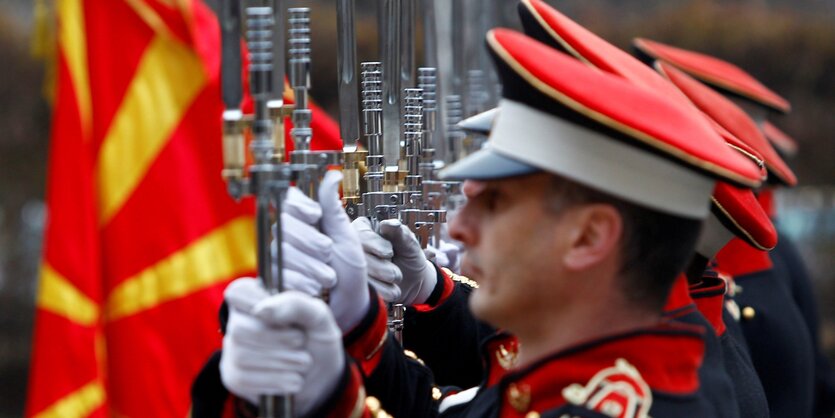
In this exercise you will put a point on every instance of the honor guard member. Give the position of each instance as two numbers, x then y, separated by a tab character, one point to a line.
548	25
731	206
774	334
581	211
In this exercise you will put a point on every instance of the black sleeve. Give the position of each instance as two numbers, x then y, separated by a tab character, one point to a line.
448	339
403	385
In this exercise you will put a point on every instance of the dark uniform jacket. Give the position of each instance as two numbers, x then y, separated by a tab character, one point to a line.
789	266
645	372
725	360
774	329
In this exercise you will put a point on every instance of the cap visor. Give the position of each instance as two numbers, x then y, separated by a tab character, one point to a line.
480	123
486	164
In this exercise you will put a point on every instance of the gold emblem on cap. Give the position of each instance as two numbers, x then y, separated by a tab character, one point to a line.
748	313
505	357
519	396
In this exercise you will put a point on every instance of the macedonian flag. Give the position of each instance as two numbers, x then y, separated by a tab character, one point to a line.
141	235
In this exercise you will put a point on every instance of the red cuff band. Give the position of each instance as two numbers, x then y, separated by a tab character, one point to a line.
366	349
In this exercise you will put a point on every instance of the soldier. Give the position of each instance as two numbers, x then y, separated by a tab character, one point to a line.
726	361
778	314
582	210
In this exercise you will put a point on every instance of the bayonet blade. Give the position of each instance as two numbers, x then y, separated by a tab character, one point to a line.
347	68
279	61
230	59
390	42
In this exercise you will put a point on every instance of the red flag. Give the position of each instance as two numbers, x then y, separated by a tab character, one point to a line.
141	237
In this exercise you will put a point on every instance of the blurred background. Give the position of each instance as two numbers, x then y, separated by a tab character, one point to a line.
789	45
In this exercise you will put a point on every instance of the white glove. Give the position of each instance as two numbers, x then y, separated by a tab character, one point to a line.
383	274
419	275
330	258
349	297
306	250
286	344
445	255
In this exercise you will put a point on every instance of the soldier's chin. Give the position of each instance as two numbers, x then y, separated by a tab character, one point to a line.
481	306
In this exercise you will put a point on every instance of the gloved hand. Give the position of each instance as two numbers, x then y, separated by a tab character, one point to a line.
286	344
418	274
349	297
307	251
330	257
445	255
383	274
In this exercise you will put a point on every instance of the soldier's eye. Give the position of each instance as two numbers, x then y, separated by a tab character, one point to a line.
492	198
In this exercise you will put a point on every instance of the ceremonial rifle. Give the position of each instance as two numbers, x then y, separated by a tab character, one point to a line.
267	179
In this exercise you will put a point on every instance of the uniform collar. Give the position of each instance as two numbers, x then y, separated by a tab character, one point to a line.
664	358
709	296
766	199
500	352
679	301
738	259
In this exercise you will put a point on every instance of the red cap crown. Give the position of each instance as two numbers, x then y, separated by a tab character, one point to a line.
781	140
716	72
546	24
649	118
731	205
740	212
731	117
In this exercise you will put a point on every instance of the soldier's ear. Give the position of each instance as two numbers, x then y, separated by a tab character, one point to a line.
594	237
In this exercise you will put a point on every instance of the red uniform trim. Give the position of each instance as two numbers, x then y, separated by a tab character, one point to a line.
738	258
766	199
710	300
448	285
679	301
229	407
667	357
351	402
364	344
499	352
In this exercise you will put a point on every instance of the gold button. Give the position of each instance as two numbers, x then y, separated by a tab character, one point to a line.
519	396
748	313
373	404
436	393
532	414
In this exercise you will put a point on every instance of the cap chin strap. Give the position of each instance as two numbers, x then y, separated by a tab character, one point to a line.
599	161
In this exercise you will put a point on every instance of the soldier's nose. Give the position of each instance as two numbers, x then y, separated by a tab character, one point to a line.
462	227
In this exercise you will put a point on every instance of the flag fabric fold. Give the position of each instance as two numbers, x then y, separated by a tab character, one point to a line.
142	237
